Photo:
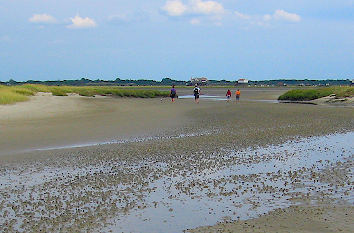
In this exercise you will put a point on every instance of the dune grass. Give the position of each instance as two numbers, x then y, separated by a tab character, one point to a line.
13	94
10	97
312	94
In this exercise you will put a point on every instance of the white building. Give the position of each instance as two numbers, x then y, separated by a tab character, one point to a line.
242	81
199	81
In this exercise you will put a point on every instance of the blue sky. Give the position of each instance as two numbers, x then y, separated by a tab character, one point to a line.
140	39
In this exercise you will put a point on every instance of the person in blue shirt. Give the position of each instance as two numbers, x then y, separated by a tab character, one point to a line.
173	93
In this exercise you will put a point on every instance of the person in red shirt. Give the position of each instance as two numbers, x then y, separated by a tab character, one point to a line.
228	95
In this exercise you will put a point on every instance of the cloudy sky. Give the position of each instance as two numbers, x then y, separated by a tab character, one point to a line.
153	39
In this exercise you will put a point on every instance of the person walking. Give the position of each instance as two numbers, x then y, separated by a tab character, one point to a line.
173	93
228	95
238	94
196	92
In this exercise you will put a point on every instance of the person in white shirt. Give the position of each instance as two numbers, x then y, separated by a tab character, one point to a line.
196	92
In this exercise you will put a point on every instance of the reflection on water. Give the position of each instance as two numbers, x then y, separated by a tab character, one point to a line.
210	97
173	195
221	98
241	190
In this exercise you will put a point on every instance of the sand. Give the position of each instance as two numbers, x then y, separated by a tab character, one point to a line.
328	101
295	219
170	158
332	100
52	121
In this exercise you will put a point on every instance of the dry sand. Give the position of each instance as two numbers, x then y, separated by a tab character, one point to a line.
86	189
328	101
52	121
332	100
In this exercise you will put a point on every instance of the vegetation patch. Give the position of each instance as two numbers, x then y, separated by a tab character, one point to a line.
13	94
312	94
10	97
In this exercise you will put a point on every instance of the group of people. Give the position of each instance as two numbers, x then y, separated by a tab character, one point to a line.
196	93
229	94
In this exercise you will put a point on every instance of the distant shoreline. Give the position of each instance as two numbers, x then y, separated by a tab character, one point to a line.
169	82
13	94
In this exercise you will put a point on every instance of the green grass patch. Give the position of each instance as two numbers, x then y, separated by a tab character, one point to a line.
13	94
23	91
316	93
57	91
10	97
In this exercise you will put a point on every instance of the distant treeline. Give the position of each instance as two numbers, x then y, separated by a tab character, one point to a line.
168	82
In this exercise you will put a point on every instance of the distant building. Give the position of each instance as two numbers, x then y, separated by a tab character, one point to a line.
281	84
242	81
199	81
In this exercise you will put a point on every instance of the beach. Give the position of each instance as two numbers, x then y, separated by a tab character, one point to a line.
102	164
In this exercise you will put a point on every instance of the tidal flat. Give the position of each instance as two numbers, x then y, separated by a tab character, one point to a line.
154	166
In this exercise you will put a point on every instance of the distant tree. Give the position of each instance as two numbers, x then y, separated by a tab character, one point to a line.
167	81
12	82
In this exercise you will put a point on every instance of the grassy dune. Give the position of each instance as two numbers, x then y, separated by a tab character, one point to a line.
311	94
13	94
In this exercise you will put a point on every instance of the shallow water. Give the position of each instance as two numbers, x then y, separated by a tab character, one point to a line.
178	211
223	98
234	184
110	142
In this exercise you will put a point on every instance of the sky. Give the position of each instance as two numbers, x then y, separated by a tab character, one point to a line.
178	39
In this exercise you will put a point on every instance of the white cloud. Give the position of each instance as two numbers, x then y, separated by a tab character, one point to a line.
42	18
78	22
242	16
267	17
174	8
283	15
198	11
206	7
200	7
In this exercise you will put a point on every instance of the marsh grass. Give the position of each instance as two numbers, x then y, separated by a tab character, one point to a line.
58	91
13	94
9	97
312	94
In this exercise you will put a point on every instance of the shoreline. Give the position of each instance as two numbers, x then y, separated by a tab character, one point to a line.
326	101
93	186
296	219
50	173
53	121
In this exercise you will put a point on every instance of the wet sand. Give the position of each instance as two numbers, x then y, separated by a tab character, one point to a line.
294	219
50	121
172	155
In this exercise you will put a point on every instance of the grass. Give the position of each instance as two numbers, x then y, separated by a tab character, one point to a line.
10	97
13	94
312	94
